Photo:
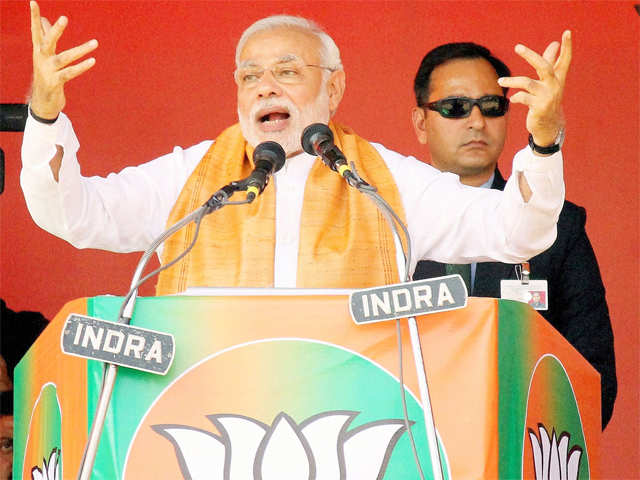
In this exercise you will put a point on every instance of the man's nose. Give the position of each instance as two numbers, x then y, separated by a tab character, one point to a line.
476	119
268	86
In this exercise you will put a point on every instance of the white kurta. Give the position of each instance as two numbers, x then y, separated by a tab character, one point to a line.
447	221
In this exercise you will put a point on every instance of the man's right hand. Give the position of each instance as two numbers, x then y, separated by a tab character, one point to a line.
50	70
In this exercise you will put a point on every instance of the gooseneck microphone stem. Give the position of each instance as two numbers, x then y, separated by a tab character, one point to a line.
269	157
255	184
215	202
317	139
126	312
403	272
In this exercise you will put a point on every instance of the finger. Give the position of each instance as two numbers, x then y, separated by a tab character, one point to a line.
54	33
551	52
525	83
76	70
36	26
564	59
45	24
541	66
68	56
523	98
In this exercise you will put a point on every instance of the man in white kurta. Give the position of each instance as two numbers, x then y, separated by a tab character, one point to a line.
124	212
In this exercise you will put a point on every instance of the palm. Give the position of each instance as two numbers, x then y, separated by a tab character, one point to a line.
52	70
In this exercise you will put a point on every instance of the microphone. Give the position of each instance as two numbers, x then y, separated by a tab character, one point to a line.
268	158
317	139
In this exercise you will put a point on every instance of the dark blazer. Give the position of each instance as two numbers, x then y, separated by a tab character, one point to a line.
577	305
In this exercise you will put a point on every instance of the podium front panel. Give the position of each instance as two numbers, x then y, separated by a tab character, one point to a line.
289	387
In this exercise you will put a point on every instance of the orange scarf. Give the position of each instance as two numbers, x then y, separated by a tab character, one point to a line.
344	241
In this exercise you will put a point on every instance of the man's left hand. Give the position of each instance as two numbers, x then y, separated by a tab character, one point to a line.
543	96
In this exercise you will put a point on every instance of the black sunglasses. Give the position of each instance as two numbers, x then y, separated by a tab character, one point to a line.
460	107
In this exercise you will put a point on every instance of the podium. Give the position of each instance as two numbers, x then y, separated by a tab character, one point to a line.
288	386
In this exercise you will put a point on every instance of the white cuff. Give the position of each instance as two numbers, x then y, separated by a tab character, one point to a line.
527	160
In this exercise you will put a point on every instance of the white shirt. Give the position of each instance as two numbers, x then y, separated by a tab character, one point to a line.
448	222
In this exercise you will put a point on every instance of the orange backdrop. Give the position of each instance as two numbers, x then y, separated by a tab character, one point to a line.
164	77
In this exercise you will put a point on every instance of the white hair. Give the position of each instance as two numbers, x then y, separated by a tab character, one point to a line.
329	53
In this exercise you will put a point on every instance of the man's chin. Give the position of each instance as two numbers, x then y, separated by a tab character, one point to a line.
291	143
477	161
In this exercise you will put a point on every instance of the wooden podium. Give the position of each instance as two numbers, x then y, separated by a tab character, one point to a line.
287	386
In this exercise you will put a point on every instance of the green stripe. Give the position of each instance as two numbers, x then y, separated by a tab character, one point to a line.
514	352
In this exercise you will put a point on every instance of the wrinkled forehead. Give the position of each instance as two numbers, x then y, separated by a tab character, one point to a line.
283	59
281	45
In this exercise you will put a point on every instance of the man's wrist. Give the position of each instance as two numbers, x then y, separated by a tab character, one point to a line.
550	149
46	121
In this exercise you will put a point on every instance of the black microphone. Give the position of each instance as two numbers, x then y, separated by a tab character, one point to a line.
268	158
317	139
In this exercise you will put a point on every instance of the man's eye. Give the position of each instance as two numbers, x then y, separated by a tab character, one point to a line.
6	444
249	77
288	72
447	107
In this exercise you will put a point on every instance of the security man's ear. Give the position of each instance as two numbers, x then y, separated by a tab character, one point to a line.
418	118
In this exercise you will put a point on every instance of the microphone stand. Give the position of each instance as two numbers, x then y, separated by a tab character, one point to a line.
216	202
353	179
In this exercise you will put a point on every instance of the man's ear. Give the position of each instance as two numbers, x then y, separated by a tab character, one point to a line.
335	88
419	120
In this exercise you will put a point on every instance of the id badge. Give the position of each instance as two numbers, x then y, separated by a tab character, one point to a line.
535	293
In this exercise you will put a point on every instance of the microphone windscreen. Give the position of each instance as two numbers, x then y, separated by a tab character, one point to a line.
315	134
271	152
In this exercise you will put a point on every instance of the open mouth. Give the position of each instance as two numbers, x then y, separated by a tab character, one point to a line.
273	117
272	113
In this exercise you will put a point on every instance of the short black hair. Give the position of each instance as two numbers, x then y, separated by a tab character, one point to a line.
18	330
445	53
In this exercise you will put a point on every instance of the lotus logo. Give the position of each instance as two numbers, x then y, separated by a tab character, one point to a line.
318	448
42	455
552	459
50	470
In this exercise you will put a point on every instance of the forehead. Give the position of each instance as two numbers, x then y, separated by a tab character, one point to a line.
270	45
469	77
5	381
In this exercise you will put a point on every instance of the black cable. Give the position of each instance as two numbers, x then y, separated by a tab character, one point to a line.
140	282
404	402
363	187
160	269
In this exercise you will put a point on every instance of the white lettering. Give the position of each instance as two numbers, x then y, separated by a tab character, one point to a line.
91	336
444	295
76	339
422	294
118	336
365	306
380	303
155	352
397	294
134	343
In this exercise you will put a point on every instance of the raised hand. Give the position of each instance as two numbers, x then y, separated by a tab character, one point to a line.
50	70
543	96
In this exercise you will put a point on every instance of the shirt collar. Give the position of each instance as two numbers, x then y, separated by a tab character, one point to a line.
301	161
489	182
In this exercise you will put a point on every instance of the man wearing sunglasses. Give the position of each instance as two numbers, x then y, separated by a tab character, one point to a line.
461	115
